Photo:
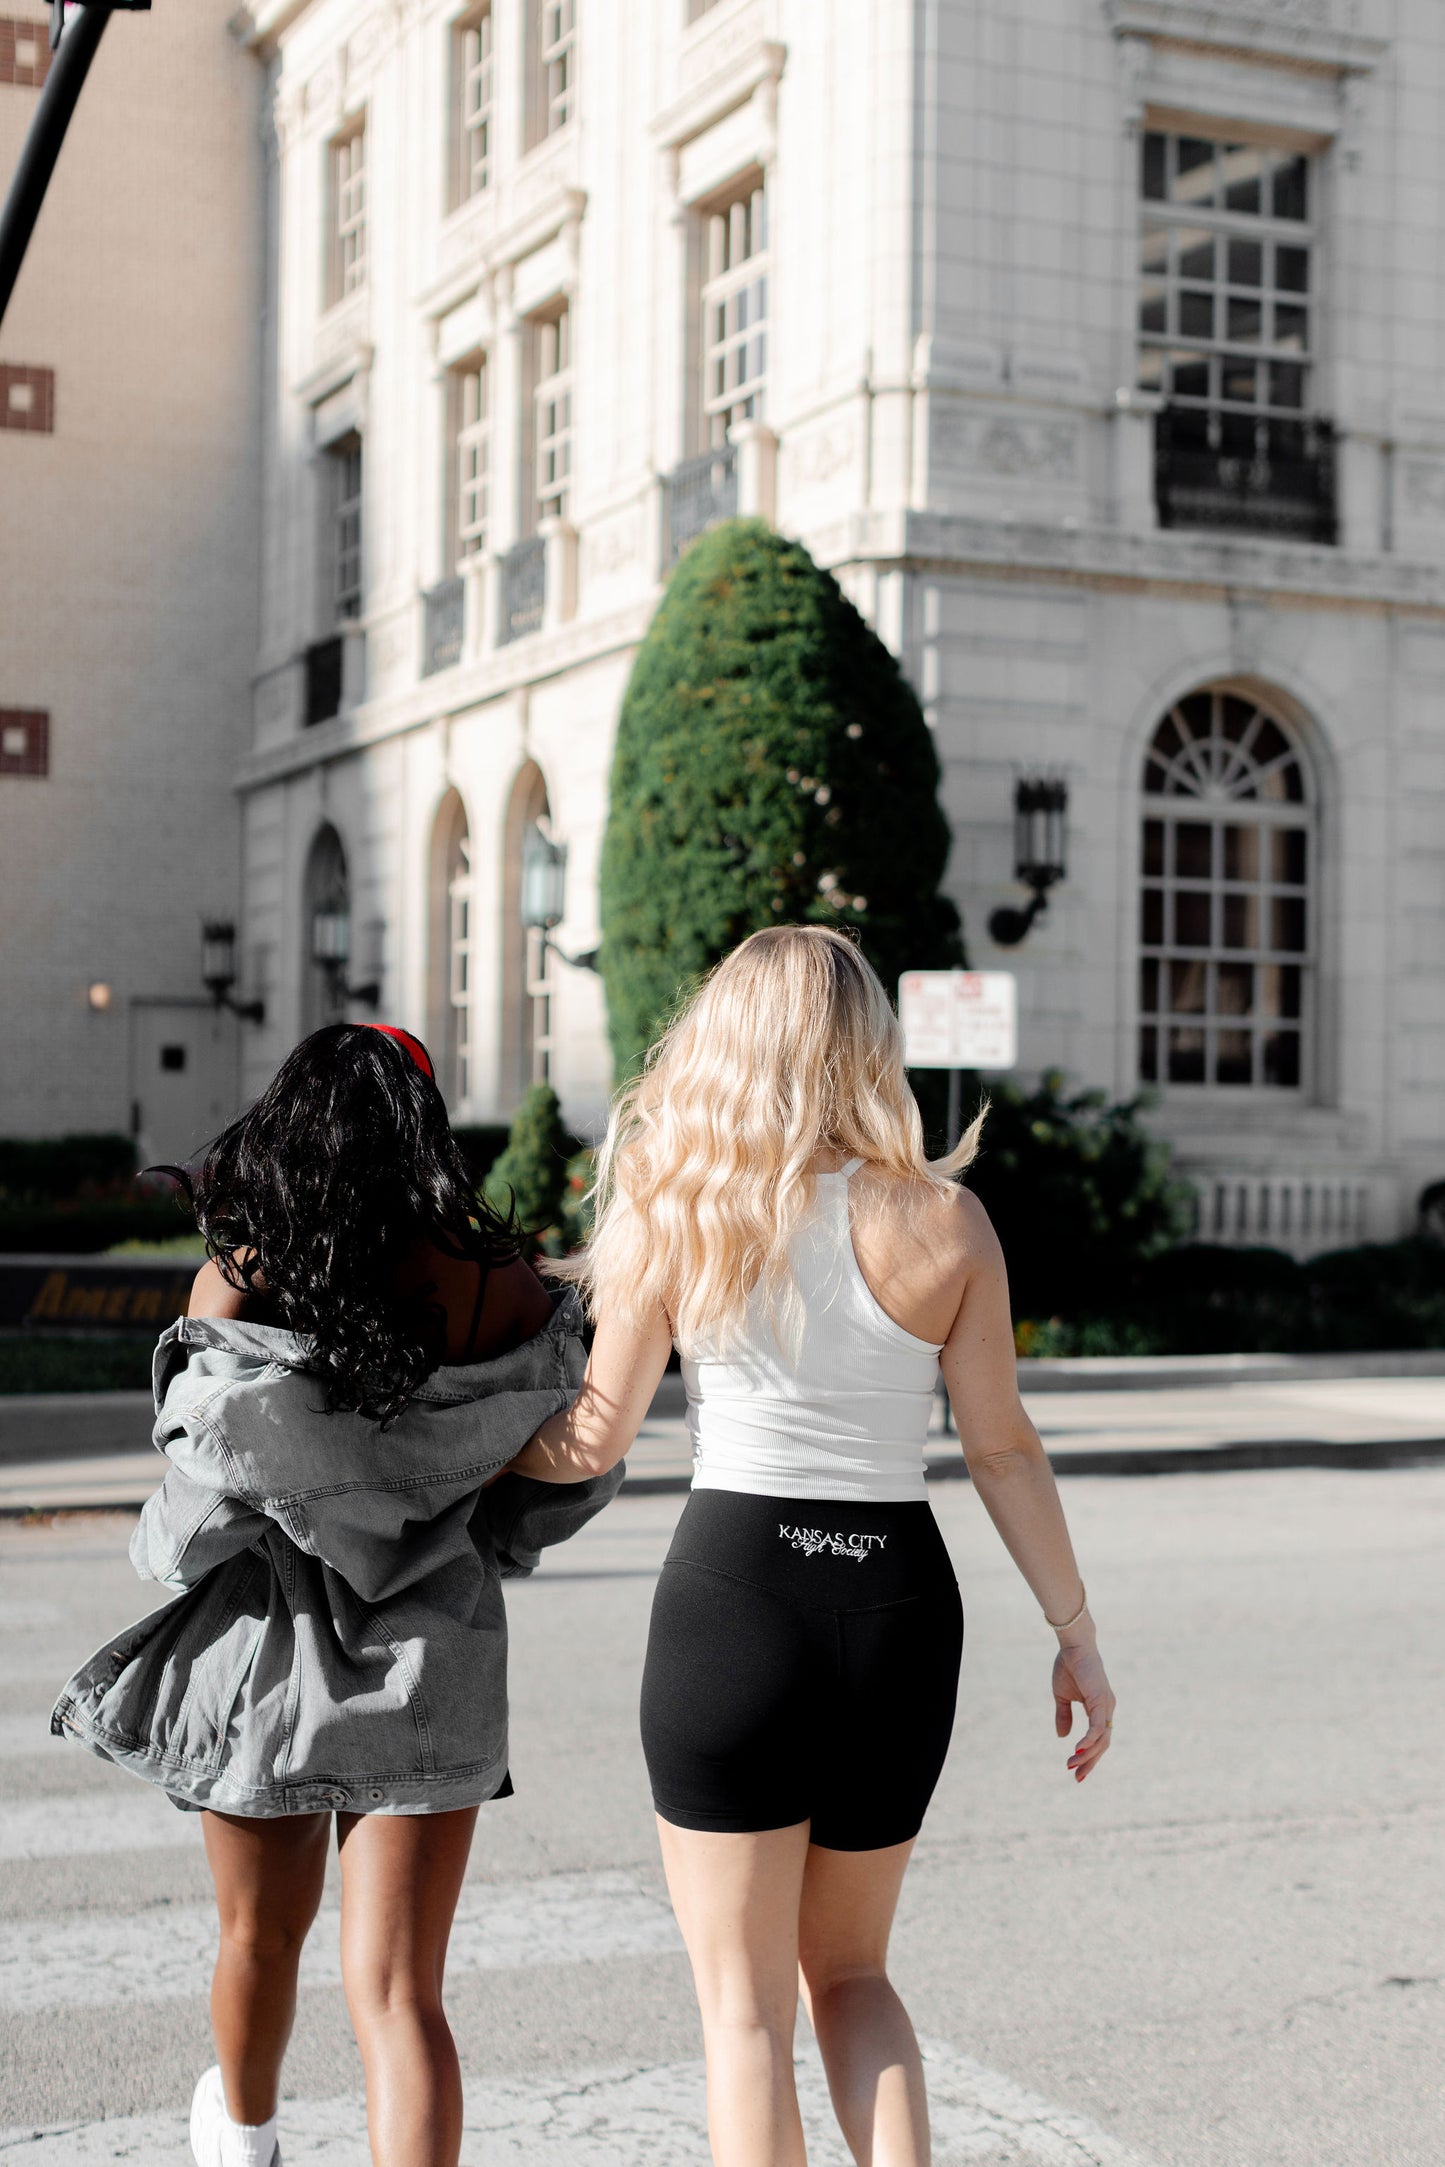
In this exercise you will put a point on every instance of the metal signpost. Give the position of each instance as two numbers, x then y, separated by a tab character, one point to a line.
74	44
957	1020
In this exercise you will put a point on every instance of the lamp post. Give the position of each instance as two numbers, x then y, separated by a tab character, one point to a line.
218	970
544	894
74	46
1040	804
331	952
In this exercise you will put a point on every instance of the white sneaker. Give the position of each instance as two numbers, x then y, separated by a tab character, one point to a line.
209	2124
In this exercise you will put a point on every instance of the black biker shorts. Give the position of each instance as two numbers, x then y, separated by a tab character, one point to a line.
802	1665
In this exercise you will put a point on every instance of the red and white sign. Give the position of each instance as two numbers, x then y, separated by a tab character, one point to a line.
959	1019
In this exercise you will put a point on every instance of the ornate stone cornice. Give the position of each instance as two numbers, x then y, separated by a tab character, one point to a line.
1316	33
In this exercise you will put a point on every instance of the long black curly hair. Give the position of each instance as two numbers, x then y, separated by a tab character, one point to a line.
313	1198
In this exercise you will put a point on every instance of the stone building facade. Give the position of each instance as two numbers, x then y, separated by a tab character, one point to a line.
1094	344
129	541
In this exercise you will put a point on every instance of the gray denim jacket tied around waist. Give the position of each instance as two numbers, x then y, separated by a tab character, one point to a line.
340	1639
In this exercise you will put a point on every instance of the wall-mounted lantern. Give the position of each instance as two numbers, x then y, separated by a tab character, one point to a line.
544	893
218	970
1040	804
331	953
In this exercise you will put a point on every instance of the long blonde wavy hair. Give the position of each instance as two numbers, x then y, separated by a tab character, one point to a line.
790	1046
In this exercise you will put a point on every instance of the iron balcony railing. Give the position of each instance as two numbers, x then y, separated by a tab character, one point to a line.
522	590
445	612
324	665
1231	473
700	492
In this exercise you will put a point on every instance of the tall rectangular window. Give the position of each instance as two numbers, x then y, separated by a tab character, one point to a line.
347	185
344	528
471	457
1225	319
735	310
473	91
552	413
557	58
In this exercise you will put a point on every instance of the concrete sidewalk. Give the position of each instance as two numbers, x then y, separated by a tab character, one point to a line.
1156	1415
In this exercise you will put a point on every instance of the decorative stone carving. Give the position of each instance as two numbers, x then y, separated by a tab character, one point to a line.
1424	488
711	52
811	460
612	546
1012	447
323	89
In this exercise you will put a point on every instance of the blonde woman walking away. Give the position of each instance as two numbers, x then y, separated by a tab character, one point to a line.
764	1201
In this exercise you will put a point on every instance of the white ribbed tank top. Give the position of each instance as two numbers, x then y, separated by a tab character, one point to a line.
849	1418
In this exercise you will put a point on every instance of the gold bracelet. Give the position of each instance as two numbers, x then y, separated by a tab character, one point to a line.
1083	1606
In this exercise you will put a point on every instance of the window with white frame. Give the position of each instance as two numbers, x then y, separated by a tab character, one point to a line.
471	456
473	93
552	413
347	188
1226	902
343	513
460	936
557	64
734	313
1226	302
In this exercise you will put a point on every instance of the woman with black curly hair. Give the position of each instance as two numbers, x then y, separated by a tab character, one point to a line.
363	1353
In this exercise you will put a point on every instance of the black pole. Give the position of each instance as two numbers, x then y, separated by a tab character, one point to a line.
68	71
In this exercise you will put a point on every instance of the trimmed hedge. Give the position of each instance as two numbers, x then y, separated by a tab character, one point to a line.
51	1169
532	1176
30	1364
85	1228
1199	1299
772	766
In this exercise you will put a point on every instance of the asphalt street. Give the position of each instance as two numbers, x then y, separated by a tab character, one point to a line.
1225	1950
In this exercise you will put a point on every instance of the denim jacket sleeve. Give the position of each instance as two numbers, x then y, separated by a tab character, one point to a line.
523	1517
196	1519
187	1527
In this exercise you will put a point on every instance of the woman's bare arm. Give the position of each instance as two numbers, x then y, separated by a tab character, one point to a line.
623	1371
1012	1475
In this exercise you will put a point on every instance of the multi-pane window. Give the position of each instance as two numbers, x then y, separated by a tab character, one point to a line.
1226	912
459	980
347	182
1225	294
344	516
557	57
735	311
472	469
474	85
552	408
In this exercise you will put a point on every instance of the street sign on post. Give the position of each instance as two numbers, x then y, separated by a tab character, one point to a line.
959	1019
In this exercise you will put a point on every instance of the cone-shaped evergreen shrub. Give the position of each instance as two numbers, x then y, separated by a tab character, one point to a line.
531	1174
772	767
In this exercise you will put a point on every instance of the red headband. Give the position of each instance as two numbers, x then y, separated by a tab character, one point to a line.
412	1045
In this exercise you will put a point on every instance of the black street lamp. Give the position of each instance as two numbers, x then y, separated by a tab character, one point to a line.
218	970
1040	803
544	893
331	951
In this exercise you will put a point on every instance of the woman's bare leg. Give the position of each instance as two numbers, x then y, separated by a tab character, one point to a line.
401	1875
736	1899
268	1877
875	2072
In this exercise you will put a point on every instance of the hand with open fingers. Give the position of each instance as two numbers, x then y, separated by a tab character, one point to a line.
1079	1676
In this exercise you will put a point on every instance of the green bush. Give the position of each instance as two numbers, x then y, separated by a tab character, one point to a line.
53	1169
772	766
531	1175
83	1228
1080	1192
29	1363
1199	1299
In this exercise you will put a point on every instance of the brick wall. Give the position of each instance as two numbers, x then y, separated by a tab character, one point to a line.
27	397
24	52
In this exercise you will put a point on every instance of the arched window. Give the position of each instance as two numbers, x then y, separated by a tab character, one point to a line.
453	930
328	900
1226	905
